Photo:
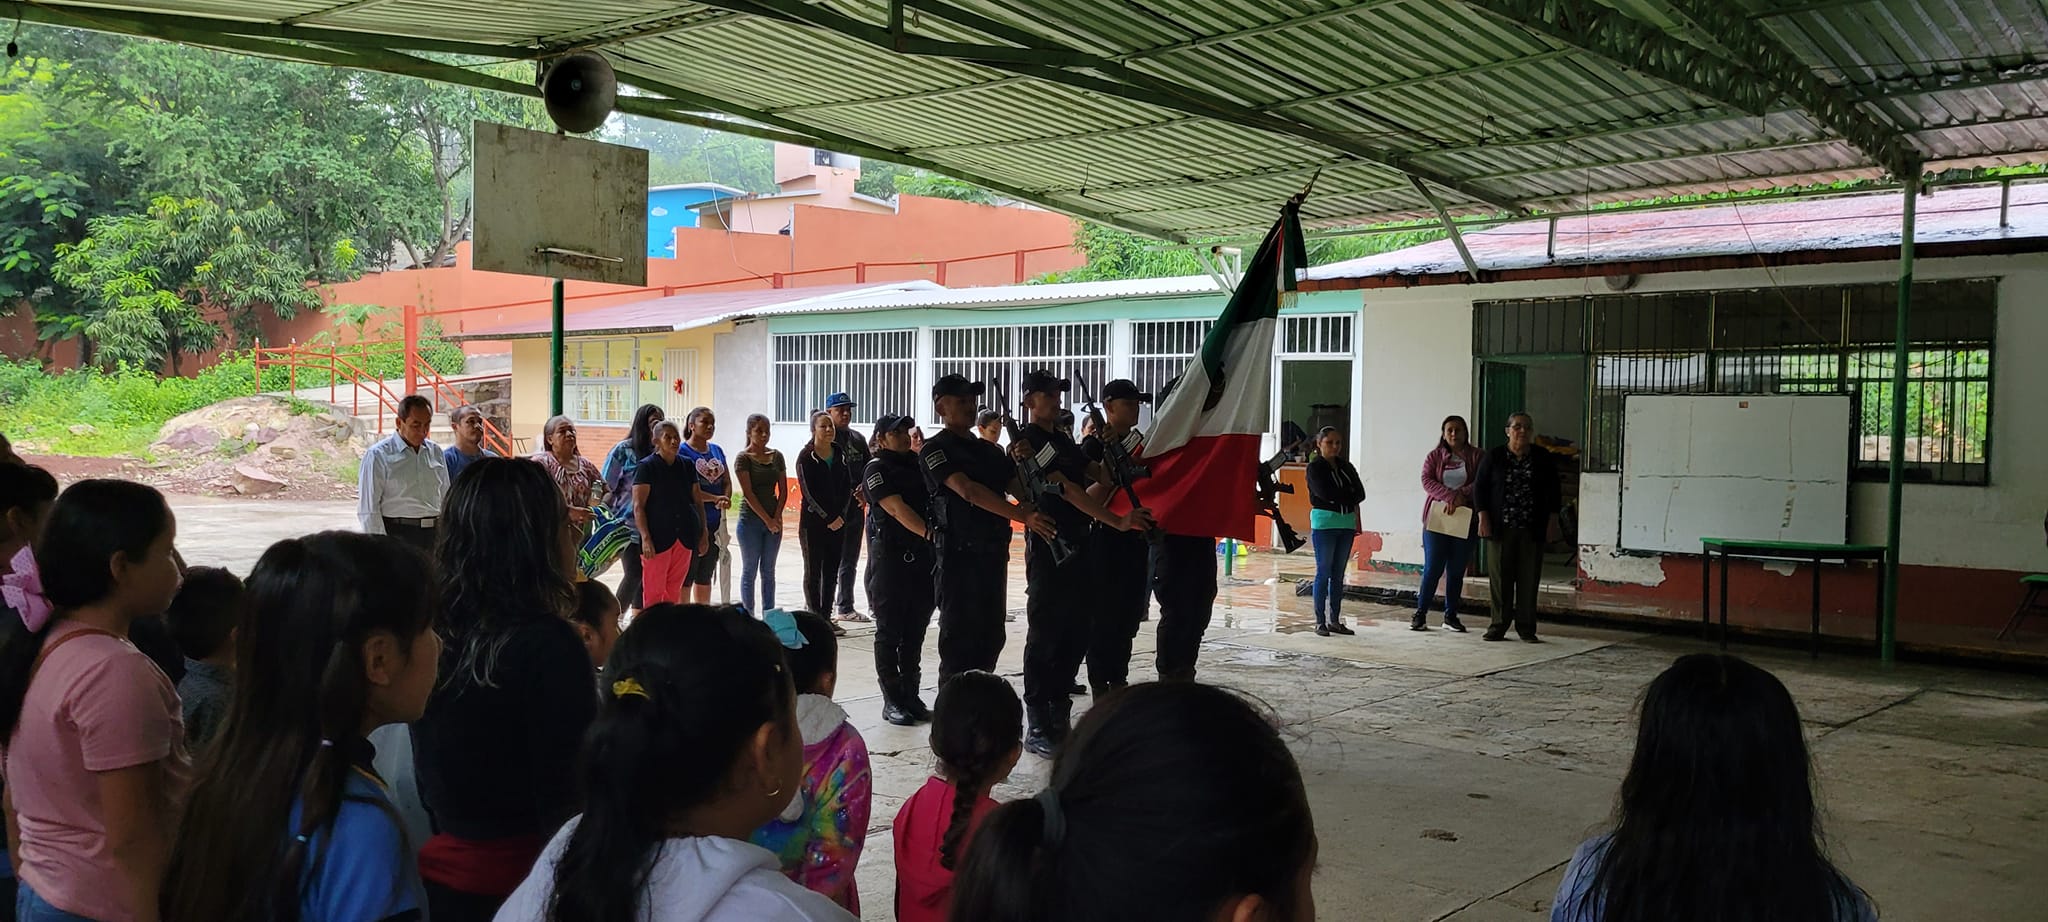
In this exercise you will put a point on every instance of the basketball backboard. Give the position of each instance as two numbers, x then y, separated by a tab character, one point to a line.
559	207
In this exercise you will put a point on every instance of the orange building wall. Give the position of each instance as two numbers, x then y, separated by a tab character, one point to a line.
925	230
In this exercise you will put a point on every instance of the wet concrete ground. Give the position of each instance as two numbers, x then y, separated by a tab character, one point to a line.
1452	778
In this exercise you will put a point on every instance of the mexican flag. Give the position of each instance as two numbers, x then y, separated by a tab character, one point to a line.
1204	445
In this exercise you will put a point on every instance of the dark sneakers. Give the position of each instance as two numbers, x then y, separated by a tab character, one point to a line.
1322	630
1337	627
1451	623
1419	623
1492	636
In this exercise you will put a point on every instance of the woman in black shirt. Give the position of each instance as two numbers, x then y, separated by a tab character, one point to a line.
827	488
1334	492
496	750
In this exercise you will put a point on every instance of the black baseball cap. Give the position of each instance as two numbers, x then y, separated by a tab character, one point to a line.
957	386
1043	382
1124	389
890	422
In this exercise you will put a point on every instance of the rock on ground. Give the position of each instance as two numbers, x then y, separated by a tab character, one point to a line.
261	446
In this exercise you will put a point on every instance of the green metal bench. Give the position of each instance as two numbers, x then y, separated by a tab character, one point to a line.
2036	586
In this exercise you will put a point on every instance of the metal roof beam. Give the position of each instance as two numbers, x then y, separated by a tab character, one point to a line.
800	13
1122	82
161	25
1337	96
846	144
1255	31
1729	27
666	22
1755	87
682	107
1450	227
335	10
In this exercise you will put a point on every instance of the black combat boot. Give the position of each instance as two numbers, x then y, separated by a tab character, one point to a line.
892	706
912	703
1036	740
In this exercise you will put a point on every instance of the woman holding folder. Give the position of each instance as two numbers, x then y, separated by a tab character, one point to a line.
1448	475
1334	492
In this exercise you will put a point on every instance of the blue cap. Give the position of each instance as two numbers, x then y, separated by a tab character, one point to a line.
836	401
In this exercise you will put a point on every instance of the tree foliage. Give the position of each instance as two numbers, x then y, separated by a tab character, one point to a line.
270	175
157	285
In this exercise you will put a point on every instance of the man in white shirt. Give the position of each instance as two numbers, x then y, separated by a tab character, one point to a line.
403	479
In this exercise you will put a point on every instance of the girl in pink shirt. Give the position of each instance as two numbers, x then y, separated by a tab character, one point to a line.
975	736
95	757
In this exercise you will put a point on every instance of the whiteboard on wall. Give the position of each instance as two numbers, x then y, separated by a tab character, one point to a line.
1761	468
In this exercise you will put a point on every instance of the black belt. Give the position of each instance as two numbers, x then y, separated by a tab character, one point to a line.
427	522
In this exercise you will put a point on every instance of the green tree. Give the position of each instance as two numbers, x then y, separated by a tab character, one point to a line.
157	285
436	121
686	153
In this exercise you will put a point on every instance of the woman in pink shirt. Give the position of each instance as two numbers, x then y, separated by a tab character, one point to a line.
1448	475
95	760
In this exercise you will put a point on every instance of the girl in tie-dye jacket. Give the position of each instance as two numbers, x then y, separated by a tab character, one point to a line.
820	834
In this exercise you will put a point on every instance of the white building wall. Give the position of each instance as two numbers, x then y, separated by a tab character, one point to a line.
740	382
1417	368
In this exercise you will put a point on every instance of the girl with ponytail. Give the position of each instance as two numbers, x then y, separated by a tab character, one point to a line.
1170	801
289	821
695	746
977	738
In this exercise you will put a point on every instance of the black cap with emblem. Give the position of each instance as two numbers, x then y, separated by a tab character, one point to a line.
1124	389
1044	382
957	386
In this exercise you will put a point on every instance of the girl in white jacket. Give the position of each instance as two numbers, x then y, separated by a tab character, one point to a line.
696	747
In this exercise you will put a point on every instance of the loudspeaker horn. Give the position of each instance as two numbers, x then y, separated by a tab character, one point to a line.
579	91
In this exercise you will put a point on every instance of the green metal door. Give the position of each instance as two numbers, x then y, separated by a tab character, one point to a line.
1501	392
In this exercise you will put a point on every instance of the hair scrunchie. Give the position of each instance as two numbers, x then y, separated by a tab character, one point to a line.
1055	830
22	590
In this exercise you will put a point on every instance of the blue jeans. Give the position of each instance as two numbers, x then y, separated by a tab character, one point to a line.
1443	556
28	907
1333	552
758	550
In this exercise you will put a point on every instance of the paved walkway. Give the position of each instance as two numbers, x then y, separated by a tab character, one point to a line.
1451	778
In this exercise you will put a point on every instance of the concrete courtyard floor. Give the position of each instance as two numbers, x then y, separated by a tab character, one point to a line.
1451	778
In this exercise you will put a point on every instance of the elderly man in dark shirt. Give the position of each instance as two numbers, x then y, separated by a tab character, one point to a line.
1517	499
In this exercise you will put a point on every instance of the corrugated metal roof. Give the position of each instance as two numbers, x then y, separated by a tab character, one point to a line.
994	296
1816	225
689	311
1196	119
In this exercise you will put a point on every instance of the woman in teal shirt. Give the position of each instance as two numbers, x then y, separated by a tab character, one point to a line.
1334	492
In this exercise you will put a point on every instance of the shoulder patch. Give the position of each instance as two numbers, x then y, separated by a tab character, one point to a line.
933	457
875	481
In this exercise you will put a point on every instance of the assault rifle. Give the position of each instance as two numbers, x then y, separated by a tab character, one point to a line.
1116	456
1031	469
1269	505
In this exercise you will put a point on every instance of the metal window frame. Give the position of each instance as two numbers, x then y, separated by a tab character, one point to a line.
1602	457
1015	361
580	384
866	409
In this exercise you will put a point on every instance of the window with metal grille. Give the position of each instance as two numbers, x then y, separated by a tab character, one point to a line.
600	379
1161	349
1005	354
873	368
1815	340
1316	335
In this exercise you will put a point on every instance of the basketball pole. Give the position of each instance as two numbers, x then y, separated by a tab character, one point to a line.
1888	624
555	354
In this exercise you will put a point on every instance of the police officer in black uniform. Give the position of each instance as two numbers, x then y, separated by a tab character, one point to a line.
1057	598
1121	559
899	575
967	477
